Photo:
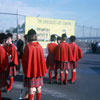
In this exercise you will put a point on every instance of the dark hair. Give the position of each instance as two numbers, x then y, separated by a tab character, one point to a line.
32	35
64	36
58	38
20	45
9	35
31	32
52	38
3	37
26	36
72	38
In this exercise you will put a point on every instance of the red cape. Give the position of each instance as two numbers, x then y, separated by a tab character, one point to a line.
50	58
52	48
33	60
63	52
11	50
76	51
3	59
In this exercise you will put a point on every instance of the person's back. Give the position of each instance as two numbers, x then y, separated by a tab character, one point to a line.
3	63
63	52
76	51
50	61
77	55
34	65
63	56
3	59
52	47
34	58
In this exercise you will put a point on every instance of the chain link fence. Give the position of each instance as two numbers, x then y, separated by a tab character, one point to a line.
86	32
85	35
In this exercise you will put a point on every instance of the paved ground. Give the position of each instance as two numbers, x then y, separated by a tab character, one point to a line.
86	87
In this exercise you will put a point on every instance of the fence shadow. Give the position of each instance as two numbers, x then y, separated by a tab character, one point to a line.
19	78
90	62
96	69
6	98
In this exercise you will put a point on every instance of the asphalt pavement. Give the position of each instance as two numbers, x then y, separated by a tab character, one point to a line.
86	87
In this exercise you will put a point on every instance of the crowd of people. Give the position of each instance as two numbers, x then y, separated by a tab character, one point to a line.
95	46
61	55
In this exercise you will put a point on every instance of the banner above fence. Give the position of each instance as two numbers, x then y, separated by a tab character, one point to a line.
46	26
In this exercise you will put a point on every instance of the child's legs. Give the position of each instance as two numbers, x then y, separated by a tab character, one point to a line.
38	96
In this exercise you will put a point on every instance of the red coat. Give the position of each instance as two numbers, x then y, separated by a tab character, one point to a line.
63	52
76	51
33	60
52	48
11	50
50	61
3	59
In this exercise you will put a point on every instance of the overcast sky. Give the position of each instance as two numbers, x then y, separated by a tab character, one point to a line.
84	12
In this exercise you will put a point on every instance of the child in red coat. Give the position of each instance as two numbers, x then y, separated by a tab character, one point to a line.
13	59
50	58
77	55
34	65
63	56
3	63
57	62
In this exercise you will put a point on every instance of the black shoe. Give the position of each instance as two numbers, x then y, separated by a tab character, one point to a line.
50	82
61	83
56	82
9	90
64	82
4	90
70	81
53	77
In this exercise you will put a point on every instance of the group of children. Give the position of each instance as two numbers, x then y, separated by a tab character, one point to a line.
61	56
8	62
33	63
